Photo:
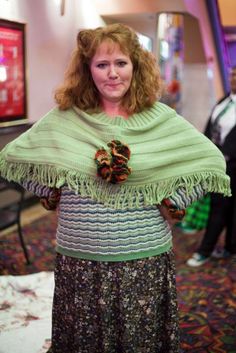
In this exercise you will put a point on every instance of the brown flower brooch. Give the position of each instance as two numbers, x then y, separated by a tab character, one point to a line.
113	166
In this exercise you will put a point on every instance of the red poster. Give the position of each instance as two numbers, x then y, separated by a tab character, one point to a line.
12	74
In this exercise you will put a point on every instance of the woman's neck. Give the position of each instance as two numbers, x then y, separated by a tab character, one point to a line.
113	109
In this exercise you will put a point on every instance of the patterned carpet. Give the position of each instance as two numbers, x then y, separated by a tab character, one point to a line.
207	300
207	295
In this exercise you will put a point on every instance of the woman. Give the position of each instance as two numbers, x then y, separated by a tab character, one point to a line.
121	166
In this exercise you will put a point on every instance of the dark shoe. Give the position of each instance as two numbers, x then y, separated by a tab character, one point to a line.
220	254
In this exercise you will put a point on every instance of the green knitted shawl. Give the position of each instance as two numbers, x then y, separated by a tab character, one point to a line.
167	152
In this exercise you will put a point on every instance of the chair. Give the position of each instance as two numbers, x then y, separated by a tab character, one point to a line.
10	214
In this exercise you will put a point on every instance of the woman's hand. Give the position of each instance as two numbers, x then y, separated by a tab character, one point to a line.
52	201
170	212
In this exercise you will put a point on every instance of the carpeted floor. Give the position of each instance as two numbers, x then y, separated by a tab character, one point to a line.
207	295
207	300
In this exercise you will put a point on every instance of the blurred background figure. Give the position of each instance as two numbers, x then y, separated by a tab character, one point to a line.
221	129
173	90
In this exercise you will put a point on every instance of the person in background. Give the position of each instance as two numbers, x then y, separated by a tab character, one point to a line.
174	91
120	167
196	216
221	130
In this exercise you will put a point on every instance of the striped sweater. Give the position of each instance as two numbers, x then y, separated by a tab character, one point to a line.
89	230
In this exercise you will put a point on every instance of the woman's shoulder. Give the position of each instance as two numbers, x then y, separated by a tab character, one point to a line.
162	108
57	112
55	115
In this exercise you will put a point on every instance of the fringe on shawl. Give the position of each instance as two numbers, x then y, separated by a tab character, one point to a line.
116	196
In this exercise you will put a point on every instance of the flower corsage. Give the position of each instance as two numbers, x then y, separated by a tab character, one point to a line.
113	166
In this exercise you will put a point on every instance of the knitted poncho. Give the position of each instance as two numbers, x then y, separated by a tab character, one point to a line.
167	152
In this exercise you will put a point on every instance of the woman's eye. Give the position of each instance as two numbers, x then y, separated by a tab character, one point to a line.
101	65
121	63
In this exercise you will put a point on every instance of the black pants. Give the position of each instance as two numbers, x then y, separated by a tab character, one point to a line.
222	215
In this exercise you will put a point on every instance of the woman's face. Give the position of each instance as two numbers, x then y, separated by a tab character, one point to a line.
112	72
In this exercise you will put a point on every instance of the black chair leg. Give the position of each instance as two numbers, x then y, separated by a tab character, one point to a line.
23	244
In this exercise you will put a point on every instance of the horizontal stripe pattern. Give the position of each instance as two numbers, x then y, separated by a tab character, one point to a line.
37	189
88	229
88	226
182	199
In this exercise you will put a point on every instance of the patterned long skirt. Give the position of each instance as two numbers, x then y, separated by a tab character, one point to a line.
115	307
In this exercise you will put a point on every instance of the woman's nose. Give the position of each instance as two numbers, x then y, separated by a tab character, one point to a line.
112	72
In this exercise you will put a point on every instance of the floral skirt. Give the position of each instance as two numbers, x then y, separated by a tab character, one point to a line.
115	307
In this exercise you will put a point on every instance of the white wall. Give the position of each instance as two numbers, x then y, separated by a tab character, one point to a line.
50	39
198	95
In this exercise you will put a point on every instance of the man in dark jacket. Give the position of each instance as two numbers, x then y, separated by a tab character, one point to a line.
221	129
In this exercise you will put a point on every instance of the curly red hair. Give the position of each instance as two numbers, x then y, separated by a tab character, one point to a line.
79	89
